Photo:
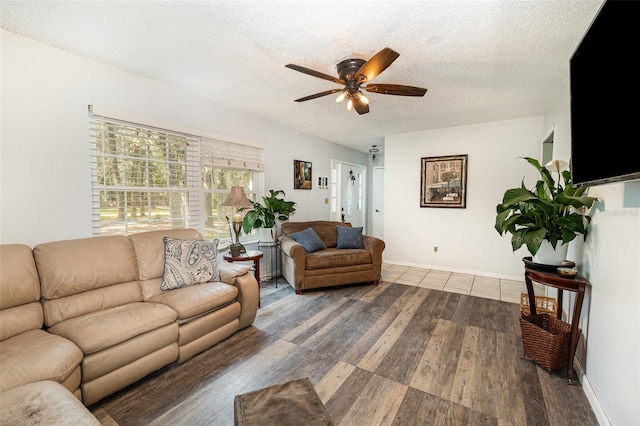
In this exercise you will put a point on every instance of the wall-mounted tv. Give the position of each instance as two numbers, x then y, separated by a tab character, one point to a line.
605	97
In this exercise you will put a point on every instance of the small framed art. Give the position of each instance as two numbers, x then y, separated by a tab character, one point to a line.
443	181
302	176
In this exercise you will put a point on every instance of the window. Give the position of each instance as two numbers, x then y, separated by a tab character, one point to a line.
147	177
223	165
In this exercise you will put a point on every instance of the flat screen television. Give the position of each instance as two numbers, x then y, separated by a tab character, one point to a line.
605	97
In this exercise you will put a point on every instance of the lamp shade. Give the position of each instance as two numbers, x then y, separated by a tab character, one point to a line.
237	198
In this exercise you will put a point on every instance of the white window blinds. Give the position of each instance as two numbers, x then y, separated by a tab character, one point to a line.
146	175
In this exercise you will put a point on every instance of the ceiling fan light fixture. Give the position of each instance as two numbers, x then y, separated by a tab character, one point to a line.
341	96
350	104
363	99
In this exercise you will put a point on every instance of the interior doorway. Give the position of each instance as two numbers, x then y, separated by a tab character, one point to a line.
377	198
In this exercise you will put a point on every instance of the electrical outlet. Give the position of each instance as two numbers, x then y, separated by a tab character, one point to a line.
435	249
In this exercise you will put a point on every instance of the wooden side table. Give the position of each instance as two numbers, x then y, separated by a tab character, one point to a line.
250	255
576	284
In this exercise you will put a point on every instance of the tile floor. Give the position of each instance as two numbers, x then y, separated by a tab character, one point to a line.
474	285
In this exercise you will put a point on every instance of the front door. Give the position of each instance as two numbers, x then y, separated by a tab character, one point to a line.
351	194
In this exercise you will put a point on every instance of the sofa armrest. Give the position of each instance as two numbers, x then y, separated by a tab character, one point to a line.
293	261
230	271
375	246
248	290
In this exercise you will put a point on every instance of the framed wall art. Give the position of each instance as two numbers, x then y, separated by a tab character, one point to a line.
443	181
302	177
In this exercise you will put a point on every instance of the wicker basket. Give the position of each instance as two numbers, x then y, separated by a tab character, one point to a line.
544	305
546	340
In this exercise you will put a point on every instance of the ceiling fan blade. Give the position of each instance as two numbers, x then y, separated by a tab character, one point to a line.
360	106
315	73
374	66
395	89
318	95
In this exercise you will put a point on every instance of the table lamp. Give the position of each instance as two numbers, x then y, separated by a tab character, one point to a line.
237	199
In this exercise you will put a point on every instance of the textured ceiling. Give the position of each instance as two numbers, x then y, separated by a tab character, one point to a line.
480	60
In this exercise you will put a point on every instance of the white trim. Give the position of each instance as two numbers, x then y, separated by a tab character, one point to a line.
597	408
132	118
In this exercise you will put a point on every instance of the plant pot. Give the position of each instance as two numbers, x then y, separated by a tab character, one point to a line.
267	235
547	255
235	249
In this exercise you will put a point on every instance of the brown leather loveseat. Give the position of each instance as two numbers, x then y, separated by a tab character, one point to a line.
331	265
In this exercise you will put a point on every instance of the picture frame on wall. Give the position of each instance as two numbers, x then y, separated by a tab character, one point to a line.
443	181
302	174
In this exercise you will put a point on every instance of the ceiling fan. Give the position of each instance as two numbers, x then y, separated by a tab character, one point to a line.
356	75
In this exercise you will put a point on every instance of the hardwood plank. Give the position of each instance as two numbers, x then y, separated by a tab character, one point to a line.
472	385
377	404
403	358
465	351
379	350
436	370
333	380
341	401
420	408
344	330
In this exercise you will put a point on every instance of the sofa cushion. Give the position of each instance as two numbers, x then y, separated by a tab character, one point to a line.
334	258
102	329
189	262
75	266
37	355
309	240
349	238
43	403
192	301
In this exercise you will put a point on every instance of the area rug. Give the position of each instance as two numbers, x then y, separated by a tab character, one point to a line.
291	403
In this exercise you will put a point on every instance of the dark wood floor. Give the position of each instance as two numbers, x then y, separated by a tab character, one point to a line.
386	354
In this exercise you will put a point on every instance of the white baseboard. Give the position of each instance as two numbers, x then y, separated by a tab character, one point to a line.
593	401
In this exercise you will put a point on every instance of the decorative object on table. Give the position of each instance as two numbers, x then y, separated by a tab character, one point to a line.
302	174
544	305
443	181
567	272
266	215
238	200
548	216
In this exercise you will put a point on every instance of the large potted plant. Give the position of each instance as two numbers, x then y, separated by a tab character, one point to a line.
550	214
266	215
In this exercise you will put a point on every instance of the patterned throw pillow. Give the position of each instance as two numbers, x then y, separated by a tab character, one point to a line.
350	238
309	240
189	262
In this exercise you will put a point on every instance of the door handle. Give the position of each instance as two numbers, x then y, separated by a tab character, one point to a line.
377	211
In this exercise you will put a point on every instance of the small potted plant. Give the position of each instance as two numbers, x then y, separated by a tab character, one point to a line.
551	212
265	215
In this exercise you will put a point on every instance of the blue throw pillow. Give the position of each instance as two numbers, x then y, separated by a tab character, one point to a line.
350	238
309	240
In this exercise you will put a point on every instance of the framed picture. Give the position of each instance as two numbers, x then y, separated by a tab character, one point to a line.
443	181
302	174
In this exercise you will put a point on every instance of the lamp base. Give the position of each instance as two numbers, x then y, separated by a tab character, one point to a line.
235	249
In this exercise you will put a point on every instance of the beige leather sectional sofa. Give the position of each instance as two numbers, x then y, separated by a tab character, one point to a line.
330	266
89	313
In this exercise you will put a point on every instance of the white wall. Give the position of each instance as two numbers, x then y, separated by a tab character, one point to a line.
610	259
45	191
466	238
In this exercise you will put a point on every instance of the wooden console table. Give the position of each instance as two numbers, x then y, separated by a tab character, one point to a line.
576	284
